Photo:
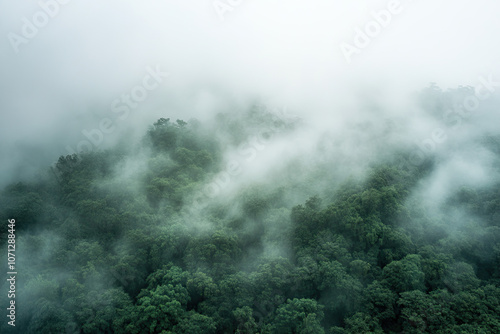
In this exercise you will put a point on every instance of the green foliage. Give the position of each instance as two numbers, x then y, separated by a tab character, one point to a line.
217	253
362	323
245	320
109	248
156	310
405	275
299	316
195	323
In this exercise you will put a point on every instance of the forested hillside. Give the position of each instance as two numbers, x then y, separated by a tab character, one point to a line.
171	236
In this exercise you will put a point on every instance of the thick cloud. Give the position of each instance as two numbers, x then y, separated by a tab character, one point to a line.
61	73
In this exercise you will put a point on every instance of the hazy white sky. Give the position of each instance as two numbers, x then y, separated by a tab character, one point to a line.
65	76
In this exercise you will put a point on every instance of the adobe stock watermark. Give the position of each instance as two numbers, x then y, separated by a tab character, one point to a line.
455	118
12	272
381	19
247	152
31	27
222	7
121	106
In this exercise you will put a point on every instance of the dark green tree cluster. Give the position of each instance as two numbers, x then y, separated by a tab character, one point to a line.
105	249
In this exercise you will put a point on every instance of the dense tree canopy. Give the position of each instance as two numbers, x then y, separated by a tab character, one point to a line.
108	251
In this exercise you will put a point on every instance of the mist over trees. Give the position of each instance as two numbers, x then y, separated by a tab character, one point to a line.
230	166
183	232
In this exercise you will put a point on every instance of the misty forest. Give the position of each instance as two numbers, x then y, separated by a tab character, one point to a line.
249	167
156	238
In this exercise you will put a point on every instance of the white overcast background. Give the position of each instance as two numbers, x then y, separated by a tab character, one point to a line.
287	52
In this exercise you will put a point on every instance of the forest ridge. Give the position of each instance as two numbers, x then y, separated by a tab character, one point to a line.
116	241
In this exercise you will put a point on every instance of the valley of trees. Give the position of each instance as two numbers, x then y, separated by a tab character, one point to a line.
107	242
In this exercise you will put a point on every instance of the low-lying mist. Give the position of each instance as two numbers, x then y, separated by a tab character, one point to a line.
250	167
